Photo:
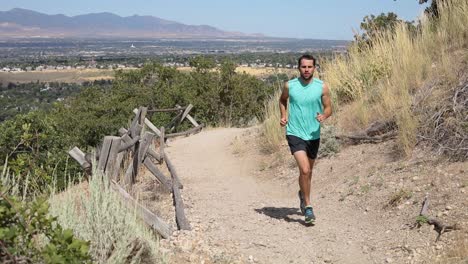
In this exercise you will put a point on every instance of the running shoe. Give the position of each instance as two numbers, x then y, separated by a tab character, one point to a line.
309	214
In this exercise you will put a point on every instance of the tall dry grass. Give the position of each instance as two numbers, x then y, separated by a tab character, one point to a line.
96	213
379	82
274	134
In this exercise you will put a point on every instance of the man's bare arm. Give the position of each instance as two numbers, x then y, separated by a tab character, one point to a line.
326	102
283	104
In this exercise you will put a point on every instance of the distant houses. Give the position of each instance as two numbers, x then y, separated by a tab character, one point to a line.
8	69
93	65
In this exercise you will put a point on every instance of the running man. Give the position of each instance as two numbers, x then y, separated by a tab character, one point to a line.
309	106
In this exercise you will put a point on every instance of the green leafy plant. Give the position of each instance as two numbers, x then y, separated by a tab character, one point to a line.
421	219
29	235
329	145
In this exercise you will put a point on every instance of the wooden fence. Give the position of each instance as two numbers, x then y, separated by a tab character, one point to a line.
135	144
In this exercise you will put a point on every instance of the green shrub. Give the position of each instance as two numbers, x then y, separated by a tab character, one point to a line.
29	235
97	213
329	145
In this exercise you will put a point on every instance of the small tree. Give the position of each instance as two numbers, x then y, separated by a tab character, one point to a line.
373	25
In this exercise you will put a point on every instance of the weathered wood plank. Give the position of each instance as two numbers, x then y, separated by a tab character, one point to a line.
189	117
128	179
108	157
146	215
360	138
172	170
144	145
154	155
113	165
118	164
181	219
158	174
184	115
439	227
167	109
138	122
162	142
150	125
142	117
185	133
425	206
132	129
104	153
129	142
172	125
192	120
90	158
80	156
136	162
122	131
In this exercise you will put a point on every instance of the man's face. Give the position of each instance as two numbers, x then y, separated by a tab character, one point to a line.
307	69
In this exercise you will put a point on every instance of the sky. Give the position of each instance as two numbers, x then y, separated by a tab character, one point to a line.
312	19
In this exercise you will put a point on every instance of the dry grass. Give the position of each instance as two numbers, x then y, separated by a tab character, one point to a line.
381	80
398	197
274	134
238	146
97	214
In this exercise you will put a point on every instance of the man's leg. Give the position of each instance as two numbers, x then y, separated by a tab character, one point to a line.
305	173
311	164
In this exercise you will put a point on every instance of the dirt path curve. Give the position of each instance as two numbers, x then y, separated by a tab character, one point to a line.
260	217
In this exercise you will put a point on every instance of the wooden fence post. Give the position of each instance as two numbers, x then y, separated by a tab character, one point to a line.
108	158
190	118
185	114
79	156
162	141
149	124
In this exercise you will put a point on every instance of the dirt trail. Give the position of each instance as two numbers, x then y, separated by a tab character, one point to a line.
243	204
260	216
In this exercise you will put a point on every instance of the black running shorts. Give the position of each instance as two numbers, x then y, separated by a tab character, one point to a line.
309	146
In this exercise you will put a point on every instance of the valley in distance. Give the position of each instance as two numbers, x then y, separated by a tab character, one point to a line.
39	59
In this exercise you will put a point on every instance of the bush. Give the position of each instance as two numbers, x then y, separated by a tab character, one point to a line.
33	146
29	235
97	213
329	145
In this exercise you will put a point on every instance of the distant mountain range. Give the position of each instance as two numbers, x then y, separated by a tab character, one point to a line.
26	23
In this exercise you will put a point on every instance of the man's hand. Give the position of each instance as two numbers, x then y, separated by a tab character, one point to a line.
321	117
283	121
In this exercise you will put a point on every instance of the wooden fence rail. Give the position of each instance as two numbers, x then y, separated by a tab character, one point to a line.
136	144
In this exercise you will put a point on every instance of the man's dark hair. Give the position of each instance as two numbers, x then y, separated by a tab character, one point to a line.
307	57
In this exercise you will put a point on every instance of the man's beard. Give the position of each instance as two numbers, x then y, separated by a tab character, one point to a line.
308	78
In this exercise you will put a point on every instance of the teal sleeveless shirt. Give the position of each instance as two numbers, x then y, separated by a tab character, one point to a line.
304	104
